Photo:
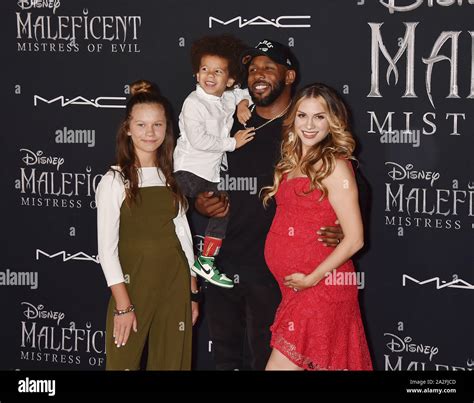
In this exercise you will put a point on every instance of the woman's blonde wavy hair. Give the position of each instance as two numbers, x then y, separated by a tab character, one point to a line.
339	143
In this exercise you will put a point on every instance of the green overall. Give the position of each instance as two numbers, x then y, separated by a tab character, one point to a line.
158	285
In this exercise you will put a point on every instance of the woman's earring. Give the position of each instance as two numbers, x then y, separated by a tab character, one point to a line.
291	137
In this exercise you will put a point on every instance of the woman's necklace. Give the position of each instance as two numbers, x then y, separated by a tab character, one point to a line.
271	120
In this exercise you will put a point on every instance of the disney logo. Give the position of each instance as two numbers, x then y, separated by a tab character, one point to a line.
32	158
27	4
398	173
390	4
35	312
397	345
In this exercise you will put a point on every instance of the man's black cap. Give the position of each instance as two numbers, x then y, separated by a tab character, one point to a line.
279	53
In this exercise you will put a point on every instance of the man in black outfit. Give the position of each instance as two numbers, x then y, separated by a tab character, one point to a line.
244	314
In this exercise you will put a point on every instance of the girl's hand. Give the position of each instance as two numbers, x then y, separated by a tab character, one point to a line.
299	281
122	326
243	112
194	312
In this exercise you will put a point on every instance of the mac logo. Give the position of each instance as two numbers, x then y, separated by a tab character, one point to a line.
67	256
439	284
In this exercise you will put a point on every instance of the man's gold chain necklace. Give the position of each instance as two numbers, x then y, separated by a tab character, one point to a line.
272	119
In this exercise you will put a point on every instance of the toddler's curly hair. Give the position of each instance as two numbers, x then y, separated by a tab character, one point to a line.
226	46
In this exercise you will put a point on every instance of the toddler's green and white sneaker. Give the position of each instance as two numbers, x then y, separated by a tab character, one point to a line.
204	266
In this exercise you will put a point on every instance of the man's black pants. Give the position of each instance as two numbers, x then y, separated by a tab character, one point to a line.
238	316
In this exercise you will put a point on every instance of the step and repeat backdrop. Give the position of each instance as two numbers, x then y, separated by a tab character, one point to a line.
405	68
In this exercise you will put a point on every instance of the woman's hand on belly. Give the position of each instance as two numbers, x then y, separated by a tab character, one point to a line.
300	281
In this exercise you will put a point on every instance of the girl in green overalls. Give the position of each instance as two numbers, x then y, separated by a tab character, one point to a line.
144	242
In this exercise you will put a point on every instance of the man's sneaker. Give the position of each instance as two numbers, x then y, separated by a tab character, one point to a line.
204	266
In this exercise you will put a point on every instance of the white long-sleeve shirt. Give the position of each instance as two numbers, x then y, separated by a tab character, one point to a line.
109	196
205	122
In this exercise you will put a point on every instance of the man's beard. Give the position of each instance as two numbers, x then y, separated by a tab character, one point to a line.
270	98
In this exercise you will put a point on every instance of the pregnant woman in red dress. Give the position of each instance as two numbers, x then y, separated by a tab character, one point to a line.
318	324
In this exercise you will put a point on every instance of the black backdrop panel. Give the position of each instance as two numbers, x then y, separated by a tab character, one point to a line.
406	68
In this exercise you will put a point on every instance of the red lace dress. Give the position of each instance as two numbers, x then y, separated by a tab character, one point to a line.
319	328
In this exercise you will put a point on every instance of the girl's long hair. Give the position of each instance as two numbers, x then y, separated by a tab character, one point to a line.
339	143
145	92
